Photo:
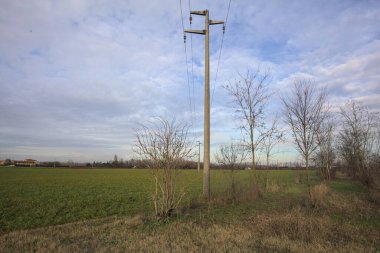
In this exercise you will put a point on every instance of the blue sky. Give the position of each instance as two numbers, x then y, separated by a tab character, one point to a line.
77	76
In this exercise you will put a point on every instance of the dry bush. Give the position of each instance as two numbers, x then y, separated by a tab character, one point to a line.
317	195
359	141
164	145
298	177
231	157
166	197
251	191
271	186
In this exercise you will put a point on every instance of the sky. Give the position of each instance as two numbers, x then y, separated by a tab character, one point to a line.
77	77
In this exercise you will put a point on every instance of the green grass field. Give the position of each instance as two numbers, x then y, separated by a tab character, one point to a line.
36	197
108	210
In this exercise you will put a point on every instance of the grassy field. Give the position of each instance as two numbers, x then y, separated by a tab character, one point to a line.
35	197
110	210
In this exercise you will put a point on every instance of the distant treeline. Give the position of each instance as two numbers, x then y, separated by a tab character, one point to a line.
145	164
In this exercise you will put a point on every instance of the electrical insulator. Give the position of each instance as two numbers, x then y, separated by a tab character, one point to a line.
224	28
184	38
191	19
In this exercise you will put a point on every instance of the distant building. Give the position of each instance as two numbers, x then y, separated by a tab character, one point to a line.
26	162
2	162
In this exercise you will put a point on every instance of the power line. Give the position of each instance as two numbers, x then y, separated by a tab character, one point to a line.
192	67
187	65
229	5
220	52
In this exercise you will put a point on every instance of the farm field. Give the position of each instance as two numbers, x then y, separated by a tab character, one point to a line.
45	209
35	197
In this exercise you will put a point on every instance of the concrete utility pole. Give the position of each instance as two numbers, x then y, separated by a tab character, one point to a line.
206	154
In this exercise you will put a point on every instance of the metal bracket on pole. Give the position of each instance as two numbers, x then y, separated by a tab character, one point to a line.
216	22
201	13
195	31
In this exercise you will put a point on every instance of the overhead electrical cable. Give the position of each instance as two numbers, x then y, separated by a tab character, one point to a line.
187	65
220	52
192	67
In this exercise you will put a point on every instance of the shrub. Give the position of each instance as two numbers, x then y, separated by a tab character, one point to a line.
318	194
165	146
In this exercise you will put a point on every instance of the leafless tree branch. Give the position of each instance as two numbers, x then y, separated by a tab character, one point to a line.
250	96
304	112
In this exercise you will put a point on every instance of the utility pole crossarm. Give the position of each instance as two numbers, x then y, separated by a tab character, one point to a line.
216	22
201	13
195	31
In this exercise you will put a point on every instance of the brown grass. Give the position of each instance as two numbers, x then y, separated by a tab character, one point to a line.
236	194
272	186
318	194
352	208
374	193
293	231
348	207
298	177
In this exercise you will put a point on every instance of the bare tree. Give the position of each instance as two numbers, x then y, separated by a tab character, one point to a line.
115	161
304	111
232	157
325	155
250	96
356	140
271	137
164	145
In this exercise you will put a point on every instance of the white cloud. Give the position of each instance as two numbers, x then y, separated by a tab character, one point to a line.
76	76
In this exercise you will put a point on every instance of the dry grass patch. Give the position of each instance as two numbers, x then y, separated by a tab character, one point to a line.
237	194
351	207
279	232
296	225
272	186
374	193
318	194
